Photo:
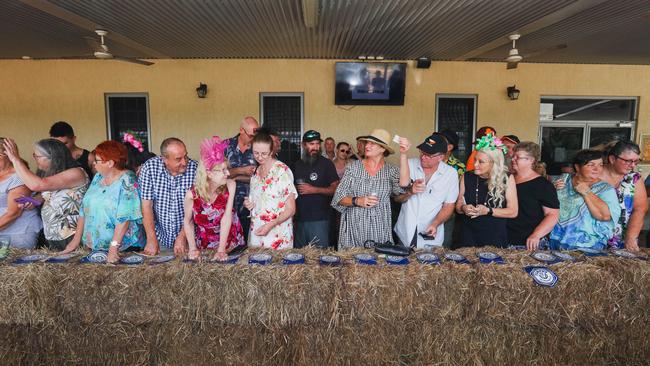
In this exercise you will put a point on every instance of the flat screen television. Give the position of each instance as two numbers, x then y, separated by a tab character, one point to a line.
367	83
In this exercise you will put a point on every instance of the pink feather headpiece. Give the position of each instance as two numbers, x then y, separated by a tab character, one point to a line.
131	140
212	151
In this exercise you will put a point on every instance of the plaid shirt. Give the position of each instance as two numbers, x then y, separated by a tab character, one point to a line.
237	158
167	193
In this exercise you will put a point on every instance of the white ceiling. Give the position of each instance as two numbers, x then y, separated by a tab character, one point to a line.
593	31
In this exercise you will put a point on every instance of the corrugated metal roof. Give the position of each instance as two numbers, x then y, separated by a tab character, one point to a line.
344	29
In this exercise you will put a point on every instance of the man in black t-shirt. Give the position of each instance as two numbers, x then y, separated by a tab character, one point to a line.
316	180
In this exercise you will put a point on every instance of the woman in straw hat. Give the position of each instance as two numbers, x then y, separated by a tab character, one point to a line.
363	195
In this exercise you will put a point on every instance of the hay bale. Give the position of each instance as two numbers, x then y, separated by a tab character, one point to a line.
205	313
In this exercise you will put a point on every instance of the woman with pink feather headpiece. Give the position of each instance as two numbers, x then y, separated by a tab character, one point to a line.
210	221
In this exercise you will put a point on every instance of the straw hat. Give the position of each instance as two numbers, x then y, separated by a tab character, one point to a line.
379	137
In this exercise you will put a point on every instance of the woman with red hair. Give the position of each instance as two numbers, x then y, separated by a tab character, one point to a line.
111	215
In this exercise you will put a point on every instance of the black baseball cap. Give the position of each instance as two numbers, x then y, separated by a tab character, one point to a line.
451	136
434	144
311	135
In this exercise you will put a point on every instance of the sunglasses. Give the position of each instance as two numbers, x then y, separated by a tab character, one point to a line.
345	151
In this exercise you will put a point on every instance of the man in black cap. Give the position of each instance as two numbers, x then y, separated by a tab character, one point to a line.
431	199
452	145
316	180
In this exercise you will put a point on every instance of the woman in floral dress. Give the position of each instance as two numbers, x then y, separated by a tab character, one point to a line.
272	198
210	220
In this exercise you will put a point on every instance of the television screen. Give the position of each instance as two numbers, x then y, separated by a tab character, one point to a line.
365	83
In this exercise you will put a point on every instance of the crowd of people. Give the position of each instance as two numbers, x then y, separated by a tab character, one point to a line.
119	197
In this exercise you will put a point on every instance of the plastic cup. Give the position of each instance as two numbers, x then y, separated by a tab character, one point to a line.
5	241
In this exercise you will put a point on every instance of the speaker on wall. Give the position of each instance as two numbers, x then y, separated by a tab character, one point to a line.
423	63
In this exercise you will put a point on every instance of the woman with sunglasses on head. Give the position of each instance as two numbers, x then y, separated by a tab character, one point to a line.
619	172
272	198
539	207
111	211
210	218
342	158
588	206
62	183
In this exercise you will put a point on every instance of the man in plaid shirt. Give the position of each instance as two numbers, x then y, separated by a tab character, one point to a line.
163	181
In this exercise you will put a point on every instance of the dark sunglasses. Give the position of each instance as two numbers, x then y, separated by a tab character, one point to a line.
345	151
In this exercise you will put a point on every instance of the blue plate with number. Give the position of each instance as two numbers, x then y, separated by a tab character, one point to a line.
542	276
394	260
428	258
456	257
232	259
545	257
565	257
162	259
489	257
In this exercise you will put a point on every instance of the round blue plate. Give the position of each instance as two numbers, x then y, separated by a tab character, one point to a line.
232	259
456	257
132	260
365	258
330	260
162	259
428	258
544	257
566	257
293	258
30	259
60	258
396	261
97	257
542	275
260	258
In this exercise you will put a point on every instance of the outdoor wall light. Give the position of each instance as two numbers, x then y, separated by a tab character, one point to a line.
513	92
202	90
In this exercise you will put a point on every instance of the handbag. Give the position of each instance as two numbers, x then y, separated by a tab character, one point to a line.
389	248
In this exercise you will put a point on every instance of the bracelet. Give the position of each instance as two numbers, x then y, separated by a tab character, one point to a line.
490	211
114	243
354	202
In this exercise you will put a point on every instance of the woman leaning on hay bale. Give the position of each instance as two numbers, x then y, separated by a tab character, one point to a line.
62	183
487	197
210	220
111	214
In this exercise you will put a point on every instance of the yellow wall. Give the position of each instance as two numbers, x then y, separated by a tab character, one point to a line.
33	94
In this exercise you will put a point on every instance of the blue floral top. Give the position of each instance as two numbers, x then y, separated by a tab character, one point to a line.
104	207
625	193
576	227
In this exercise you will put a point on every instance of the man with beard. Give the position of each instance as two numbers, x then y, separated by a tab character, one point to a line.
316	179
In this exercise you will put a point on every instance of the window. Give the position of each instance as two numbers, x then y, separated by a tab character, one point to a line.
128	113
283	113
457	113
570	124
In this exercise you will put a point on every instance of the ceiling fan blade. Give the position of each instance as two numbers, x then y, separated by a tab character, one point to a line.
93	43
538	52
512	65
81	57
133	60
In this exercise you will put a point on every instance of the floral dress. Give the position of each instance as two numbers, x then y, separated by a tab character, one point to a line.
207	222
61	210
106	206
625	194
270	195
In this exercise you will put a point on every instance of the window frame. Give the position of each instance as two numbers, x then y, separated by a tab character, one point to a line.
127	95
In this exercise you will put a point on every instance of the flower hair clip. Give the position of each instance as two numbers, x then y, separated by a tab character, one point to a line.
128	138
212	151
490	142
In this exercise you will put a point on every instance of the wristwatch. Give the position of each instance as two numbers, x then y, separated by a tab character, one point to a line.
490	211
115	243
354	202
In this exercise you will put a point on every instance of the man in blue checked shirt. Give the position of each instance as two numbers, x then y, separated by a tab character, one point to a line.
163	181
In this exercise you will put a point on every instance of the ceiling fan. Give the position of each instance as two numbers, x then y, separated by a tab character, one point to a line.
514	57
101	51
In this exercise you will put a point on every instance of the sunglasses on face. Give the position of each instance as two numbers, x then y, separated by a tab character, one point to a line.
345	151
